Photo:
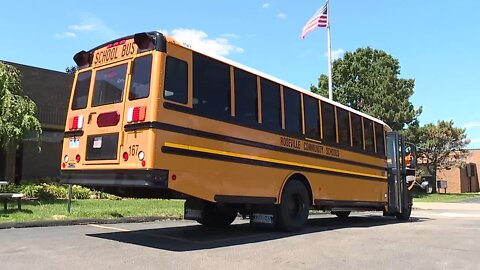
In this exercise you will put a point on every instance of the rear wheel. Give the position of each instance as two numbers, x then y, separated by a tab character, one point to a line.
405	215
341	214
216	216
292	212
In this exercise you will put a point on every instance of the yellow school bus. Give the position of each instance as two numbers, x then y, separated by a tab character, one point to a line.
151	117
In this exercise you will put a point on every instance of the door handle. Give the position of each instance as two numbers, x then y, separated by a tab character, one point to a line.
90	115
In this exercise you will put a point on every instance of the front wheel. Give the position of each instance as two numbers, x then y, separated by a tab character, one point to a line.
292	212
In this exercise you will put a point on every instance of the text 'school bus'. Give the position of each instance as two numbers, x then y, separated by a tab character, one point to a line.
152	118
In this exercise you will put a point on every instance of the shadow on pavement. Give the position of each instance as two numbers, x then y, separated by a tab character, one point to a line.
196	237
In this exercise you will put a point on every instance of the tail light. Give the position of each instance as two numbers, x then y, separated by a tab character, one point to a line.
76	122
125	156
77	158
136	114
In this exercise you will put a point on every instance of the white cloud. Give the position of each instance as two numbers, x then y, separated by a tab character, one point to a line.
266	5
65	35
472	125
281	15
335	54
198	39
82	27
230	36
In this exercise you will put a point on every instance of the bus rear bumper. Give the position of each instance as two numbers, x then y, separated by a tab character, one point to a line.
116	178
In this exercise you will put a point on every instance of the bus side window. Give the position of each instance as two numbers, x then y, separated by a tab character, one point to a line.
246	98
380	141
357	133
293	111
176	80
312	118
211	87
343	127
271	106
328	120
368	129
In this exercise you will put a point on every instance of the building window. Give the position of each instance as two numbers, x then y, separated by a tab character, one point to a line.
343	127
293	111
246	99
328	123
176	80
211	86
271	110
312	118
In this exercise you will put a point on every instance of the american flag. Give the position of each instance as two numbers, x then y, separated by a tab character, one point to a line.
319	19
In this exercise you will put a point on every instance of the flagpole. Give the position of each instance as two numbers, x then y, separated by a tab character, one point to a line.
330	91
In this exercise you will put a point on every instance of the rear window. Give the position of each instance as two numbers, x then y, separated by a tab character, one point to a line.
81	90
109	85
140	85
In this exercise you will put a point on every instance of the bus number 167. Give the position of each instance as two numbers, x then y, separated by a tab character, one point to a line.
133	149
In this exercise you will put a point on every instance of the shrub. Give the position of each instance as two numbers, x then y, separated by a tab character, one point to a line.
31	190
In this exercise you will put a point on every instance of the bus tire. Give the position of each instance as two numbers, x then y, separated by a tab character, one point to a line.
216	216
341	214
405	215
292	212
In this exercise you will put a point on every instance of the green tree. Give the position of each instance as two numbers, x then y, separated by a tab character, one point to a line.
440	147
17	112
367	80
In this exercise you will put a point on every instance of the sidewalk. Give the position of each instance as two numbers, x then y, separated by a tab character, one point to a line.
446	206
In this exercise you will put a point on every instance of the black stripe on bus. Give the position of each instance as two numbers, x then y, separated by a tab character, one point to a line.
73	133
257	126
224	138
245	199
338	203
200	154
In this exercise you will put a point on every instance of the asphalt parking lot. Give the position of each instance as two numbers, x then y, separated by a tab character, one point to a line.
433	239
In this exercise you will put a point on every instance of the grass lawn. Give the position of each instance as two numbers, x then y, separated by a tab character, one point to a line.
104	209
441	197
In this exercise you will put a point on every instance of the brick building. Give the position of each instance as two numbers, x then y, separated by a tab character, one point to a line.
51	92
465	179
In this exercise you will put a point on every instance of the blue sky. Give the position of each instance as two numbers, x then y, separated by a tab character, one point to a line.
436	42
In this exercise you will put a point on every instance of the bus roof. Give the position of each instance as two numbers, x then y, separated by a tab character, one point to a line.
274	79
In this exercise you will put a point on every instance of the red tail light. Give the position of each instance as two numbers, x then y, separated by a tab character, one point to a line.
108	119
125	156
136	114
77	158
76	122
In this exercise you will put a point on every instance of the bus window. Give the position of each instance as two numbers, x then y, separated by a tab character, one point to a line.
312	118
176	80
293	111
81	90
368	129
109	85
211	86
271	112
140	84
380	140
343	127
357	133
246	99
328	123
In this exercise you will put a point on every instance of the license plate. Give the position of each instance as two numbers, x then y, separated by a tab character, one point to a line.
97	142
74	143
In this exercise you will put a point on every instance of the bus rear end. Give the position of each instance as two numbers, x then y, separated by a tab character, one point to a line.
111	98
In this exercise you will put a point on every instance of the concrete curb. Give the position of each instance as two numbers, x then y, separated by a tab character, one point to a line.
446	206
52	223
